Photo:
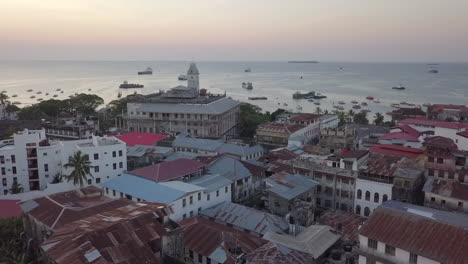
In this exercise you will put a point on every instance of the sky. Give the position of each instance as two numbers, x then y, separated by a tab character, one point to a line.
225	30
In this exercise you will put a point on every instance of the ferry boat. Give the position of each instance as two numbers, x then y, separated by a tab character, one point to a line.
126	85
258	98
148	71
370	97
248	70
182	77
399	87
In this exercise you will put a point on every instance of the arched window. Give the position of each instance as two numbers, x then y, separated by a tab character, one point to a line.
367	196
359	194
376	197
366	211
384	198
358	209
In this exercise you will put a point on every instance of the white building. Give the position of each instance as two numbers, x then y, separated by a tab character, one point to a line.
369	195
312	129
405	233
31	160
186	199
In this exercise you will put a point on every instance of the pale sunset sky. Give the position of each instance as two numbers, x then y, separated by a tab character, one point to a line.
325	30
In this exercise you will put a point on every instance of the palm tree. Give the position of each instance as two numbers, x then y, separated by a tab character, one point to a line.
378	119
318	110
81	168
16	188
57	178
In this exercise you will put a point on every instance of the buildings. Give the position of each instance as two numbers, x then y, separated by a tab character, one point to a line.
180	169
247	178
83	226
247	219
73	128
335	140
215	147
405	233
407	113
31	160
443	112
440	128
390	173
291	194
184	109
207	242
446	195
297	130
402	136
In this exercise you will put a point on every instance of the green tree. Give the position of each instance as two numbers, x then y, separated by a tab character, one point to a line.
16	188
251	117
318	110
275	114
52	107
57	178
378	119
8	133
31	113
81	168
3	98
10	241
361	118
84	103
341	118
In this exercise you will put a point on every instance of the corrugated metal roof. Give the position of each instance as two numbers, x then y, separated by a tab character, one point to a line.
144	189
273	253
219	106
434	234
247	218
140	150
182	186
314	240
280	127
168	170
288	185
230	168
444	188
211	183
216	146
206	237
346	224
121	235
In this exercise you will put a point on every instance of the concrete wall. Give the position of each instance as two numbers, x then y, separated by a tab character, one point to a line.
372	187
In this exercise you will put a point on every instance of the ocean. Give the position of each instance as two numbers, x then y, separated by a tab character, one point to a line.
275	80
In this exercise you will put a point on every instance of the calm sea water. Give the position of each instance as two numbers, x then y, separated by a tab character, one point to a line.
276	80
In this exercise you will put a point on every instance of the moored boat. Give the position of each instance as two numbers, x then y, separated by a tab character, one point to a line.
182	77
249	86
341	102
248	70
258	98
364	104
395	105
370	97
377	101
126	85
148	71
15	95
29	90
354	102
55	95
317	103
356	107
399	87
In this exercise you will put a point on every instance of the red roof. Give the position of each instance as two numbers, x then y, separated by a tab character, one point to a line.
396	150
463	134
400	135
10	208
169	170
354	154
304	117
441	107
407	129
137	138
441	142
425	122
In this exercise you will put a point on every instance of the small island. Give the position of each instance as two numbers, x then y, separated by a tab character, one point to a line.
302	61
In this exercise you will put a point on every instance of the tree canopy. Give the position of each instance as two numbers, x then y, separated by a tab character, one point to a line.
251	117
81	168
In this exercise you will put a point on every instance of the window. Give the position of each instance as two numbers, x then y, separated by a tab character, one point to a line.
431	159
376	197
46	167
208	261
371	243
96	169
432	199
113	192
226	189
98	180
358	209
389	250
413	258
384	198
460	204
190	254
442	201
191	213
200	258
430	172
3	171
114	166
2	160
120	165
96	156
199	209
366	211
120	153
90	181
184	202
44	154
4	182
191	199
107	190
370	261
440	160
217	193
199	196
114	154
184	216
13	159
207	197
367	196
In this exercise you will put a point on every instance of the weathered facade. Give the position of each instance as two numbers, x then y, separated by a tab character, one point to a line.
442	112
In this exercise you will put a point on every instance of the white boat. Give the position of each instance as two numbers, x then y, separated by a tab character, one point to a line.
364	104
356	107
339	107
395	105
61	92
365	110
377	101
244	85
182	77
249	86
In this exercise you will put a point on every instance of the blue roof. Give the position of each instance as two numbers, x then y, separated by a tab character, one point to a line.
216	146
211	183
289	186
230	168
142	188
